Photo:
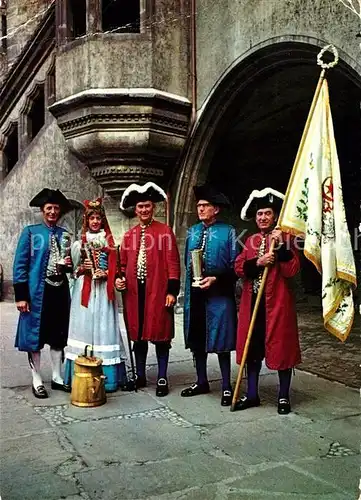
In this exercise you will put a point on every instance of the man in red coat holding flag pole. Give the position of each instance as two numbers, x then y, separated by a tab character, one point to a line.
275	333
150	281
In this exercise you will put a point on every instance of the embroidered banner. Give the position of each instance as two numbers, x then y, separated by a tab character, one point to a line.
314	208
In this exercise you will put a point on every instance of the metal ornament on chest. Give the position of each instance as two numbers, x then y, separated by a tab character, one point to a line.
261	252
52	270
204	239
142	256
197	260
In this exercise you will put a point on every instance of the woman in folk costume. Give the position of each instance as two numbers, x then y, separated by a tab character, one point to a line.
150	281
94	316
275	334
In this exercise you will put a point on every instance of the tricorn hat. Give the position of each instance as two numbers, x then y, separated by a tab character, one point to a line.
135	193
47	195
209	193
265	198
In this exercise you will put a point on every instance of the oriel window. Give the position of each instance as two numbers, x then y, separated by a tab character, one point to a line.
121	16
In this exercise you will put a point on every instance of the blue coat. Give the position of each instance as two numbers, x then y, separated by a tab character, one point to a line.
29	273
221	250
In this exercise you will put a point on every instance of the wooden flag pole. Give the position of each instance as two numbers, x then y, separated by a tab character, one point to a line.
249	333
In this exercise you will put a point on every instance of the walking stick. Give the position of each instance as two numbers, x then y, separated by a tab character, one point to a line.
127	329
249	334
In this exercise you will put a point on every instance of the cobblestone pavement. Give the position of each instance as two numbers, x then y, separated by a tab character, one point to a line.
140	447
325	355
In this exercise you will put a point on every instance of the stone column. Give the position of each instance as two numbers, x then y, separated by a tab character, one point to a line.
93	16
2	166
23	131
62	22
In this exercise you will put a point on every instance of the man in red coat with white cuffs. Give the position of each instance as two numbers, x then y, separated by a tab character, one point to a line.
275	334
150	268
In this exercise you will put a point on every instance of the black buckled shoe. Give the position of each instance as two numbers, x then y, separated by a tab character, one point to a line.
162	388
40	392
140	382
60	387
244	403
284	406
226	399
128	386
195	390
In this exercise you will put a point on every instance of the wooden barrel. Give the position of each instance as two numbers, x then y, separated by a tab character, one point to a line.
88	388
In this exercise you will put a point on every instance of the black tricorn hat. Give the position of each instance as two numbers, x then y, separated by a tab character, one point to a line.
209	193
135	193
47	195
265	198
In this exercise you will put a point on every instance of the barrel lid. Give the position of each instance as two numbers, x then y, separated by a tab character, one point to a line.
88	361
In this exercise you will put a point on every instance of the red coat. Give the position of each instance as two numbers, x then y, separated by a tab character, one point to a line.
163	263
282	344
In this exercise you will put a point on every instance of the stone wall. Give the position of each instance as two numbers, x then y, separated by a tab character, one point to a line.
23	16
45	162
3	67
228	30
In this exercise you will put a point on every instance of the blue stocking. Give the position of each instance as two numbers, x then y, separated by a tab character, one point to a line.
140	351
224	359
201	367
253	369
285	382
162	351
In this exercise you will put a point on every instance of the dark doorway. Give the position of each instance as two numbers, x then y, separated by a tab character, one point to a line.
258	144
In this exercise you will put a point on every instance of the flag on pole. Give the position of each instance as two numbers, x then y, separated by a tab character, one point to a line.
313	208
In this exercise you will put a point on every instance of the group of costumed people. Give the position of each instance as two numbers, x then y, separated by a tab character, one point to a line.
146	269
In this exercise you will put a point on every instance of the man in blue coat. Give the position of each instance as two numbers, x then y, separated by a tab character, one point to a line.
41	289
210	318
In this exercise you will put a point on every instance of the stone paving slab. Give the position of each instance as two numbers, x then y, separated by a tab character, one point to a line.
156	478
206	409
153	435
324	354
29	486
269	440
289	481
344	470
345	430
18	416
35	454
220	491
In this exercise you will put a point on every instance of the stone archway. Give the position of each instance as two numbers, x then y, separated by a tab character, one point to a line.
248	131
291	69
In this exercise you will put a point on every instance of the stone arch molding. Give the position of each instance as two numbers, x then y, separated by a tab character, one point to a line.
31	95
268	55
